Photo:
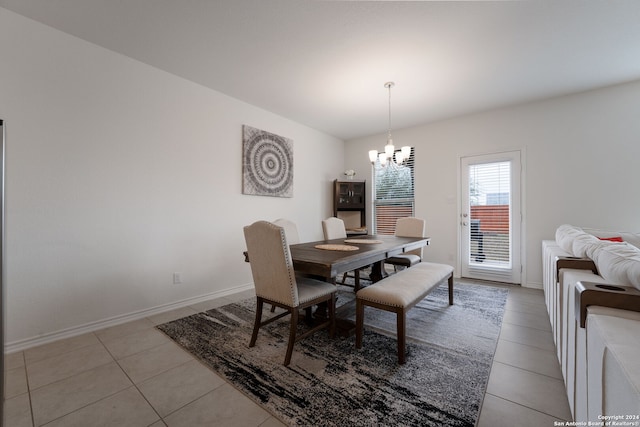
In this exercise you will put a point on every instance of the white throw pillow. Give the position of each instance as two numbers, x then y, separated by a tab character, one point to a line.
565	234
591	249
583	244
618	263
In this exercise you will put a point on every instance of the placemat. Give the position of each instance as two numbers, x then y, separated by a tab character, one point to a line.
331	247
365	241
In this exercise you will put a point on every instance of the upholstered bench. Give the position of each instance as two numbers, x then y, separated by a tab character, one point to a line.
398	293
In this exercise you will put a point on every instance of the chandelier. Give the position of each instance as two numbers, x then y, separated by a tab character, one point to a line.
387	158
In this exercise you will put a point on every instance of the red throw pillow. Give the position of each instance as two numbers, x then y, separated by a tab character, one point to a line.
612	239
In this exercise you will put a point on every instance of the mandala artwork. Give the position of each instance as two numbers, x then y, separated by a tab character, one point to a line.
267	164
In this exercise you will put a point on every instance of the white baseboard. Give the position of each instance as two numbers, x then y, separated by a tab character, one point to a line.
23	344
533	285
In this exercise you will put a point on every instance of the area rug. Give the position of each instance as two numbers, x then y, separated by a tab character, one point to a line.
331	383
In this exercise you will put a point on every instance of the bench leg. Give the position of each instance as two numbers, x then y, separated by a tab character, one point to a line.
401	333
359	322
451	289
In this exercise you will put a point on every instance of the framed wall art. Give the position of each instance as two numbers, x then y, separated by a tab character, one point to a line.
267	163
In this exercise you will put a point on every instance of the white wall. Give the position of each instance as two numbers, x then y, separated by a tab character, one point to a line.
580	167
119	174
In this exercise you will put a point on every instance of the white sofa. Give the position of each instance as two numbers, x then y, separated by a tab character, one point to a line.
600	363
613	362
552	290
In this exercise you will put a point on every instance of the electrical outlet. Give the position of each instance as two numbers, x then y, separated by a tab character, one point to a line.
177	278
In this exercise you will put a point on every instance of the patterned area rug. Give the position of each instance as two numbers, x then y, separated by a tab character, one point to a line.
330	383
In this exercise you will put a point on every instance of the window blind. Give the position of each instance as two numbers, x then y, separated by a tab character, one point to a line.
490	205
394	194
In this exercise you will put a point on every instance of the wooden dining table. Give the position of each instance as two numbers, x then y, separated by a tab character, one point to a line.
311	259
328	259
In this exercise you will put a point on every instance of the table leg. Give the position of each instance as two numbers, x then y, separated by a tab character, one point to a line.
377	272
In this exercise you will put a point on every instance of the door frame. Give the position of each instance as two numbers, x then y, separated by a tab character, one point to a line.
2	267
522	204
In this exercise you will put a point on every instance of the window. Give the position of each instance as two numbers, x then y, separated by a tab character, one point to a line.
489	200
394	194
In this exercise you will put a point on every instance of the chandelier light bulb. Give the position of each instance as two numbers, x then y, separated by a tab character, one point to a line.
373	155
389	149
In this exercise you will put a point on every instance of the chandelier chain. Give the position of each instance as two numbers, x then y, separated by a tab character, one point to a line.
389	85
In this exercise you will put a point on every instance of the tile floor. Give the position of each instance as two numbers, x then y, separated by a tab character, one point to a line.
132	375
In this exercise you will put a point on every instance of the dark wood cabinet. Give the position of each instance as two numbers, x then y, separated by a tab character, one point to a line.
349	204
349	194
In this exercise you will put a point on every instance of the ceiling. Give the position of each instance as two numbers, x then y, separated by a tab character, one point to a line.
324	63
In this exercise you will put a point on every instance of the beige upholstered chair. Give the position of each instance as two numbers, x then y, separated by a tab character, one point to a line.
333	228
293	238
276	283
290	230
408	227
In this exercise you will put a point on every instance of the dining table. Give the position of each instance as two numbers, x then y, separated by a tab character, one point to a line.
331	258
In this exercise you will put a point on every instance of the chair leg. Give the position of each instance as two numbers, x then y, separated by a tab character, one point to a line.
451	289
359	322
308	316
292	336
401	320
273	308
332	316
256	324
356	279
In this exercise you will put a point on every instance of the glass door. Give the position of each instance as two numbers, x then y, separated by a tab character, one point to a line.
490	220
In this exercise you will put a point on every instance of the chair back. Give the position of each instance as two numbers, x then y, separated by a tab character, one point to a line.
333	228
290	230
271	264
411	227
